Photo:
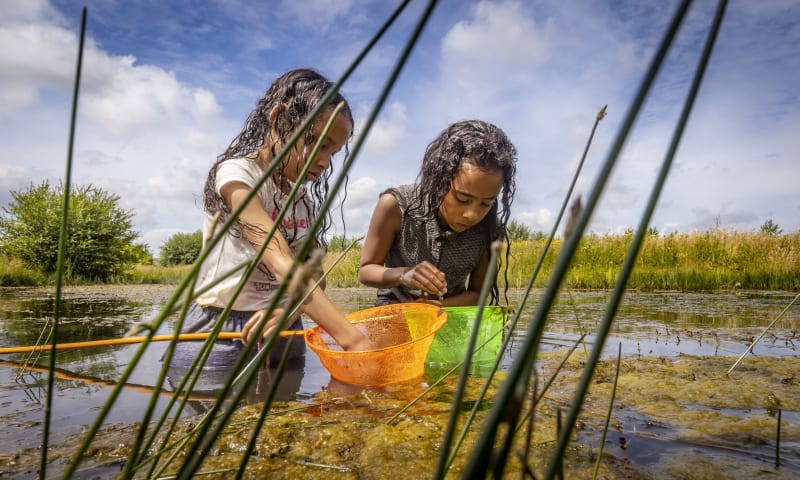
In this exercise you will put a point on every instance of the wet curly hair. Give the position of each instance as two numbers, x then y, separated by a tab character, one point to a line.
478	143
296	93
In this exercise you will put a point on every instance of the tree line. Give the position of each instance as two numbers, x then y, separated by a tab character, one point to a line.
102	245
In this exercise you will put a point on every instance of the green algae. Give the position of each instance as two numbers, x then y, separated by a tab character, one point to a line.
674	418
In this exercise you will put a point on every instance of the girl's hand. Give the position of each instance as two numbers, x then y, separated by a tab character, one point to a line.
425	277
251	326
360	345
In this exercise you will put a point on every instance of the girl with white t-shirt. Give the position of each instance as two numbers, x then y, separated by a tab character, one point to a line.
276	117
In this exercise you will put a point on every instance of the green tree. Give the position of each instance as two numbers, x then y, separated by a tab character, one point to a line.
181	249
339	243
518	232
771	228
141	253
99	235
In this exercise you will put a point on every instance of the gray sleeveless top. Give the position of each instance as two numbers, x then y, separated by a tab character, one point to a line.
454	253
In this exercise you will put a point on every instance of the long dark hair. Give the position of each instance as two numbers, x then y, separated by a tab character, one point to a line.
487	147
296	93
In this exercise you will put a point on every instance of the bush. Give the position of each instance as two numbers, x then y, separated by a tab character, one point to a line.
141	254
181	249
99	236
339	243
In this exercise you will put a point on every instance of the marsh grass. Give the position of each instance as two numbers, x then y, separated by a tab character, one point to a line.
14	274
154	274
716	259
711	260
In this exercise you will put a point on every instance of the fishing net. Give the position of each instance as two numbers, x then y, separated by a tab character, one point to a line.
402	334
450	343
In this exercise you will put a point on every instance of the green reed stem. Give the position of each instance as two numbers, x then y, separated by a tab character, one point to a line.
284	319
310	291
549	382
486	289
600	115
137	451
526	452
771	324
508	405
778	441
196	366
265	409
62	247
608	415
578	322
186	385
641	232
166	310
197	452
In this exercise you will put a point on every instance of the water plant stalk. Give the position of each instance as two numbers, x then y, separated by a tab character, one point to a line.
197	452
763	332
608	415
526	447
507	407
284	319
458	395
516	315
264	410
778	440
62	246
638	238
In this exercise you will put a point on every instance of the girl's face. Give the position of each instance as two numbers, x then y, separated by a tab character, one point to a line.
472	193
337	137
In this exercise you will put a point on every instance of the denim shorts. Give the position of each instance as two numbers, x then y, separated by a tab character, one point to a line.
225	353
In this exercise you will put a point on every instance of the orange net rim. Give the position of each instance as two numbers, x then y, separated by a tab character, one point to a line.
441	319
505	309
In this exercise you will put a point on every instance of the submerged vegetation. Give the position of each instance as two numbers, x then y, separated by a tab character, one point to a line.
673	418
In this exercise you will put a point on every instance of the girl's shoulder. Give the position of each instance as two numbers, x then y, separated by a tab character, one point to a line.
401	193
241	165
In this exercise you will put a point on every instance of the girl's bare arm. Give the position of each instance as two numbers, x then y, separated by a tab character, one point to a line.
384	226
278	259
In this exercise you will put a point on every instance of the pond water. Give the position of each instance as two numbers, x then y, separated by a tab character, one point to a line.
646	325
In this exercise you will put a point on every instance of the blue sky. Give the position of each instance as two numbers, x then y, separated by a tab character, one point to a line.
167	84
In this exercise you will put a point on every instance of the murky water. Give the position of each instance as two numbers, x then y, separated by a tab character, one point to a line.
647	325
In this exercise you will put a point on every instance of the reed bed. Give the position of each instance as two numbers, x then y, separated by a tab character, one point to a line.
715	259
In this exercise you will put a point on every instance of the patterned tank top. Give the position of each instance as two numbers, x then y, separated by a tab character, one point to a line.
455	253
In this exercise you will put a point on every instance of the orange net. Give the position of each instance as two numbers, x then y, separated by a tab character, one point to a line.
402	334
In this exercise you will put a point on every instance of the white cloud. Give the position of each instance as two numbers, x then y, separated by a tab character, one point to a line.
387	132
362	195
499	35
540	220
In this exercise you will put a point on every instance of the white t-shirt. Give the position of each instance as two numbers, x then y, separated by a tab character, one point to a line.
233	250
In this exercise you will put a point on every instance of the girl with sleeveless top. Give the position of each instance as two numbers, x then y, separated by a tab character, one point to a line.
430	241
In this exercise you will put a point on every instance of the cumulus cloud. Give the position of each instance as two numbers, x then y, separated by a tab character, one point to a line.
362	195
142	134
387	131
498	35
